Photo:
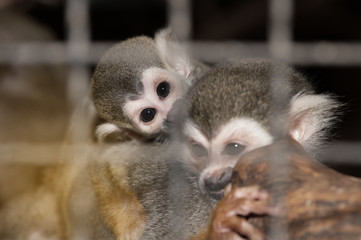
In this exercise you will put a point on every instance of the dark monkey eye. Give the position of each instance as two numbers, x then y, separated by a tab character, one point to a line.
148	114
233	149
163	89
198	150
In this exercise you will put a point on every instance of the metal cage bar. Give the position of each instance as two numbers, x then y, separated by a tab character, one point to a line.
77	46
79	51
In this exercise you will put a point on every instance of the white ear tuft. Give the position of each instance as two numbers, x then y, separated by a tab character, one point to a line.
310	117
105	129
172	52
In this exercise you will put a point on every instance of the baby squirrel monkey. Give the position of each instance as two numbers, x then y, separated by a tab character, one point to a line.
136	83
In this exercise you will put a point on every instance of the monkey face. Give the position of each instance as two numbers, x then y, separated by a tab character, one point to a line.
160	89
232	111
215	158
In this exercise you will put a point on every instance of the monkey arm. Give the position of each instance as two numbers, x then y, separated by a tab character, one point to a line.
119	207
316	202
229	219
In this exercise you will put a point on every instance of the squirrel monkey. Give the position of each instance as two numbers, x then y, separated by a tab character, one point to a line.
136	83
241	105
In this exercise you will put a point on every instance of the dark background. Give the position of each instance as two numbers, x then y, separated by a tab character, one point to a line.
244	20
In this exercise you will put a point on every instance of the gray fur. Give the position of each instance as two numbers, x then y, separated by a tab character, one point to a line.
117	76
240	88
174	205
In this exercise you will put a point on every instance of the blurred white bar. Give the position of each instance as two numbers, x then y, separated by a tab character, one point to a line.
40	153
77	22
214	52
33	53
180	18
280	47
280	28
78	44
326	53
343	153
316	54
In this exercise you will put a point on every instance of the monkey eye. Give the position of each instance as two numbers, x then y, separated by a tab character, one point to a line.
233	149
147	114
198	150
163	89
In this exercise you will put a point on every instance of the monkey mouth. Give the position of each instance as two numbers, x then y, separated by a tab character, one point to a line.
218	195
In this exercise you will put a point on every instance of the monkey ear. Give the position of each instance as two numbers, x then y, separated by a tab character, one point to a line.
311	116
172	52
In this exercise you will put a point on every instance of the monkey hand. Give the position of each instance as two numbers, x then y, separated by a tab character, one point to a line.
228	220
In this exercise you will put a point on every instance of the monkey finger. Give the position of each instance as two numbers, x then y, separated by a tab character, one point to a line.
229	207
247	207
250	192
227	217
238	225
225	236
227	189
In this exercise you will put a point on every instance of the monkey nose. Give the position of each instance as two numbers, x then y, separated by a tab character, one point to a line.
215	184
